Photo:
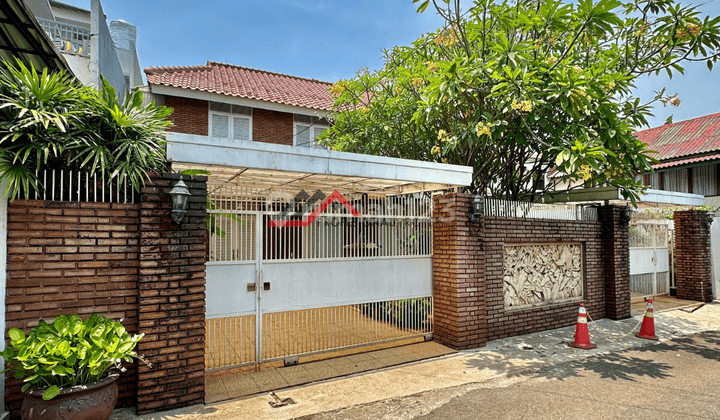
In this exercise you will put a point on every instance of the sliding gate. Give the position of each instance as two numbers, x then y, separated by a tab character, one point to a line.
649	258
296	275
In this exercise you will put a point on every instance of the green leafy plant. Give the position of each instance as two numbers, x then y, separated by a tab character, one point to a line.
50	121
68	352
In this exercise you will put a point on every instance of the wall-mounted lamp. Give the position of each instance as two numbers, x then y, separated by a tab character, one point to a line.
478	209
179	195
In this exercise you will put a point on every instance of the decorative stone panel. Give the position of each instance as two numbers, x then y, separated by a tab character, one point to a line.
541	274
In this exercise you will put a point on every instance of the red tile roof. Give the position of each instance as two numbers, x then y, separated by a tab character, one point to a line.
243	82
686	161
698	136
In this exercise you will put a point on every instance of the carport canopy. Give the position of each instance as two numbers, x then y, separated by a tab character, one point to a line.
266	166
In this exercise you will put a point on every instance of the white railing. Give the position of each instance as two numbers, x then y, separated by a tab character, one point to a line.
524	209
62	185
67	38
398	226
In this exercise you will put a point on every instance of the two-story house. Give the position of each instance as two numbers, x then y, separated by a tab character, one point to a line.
242	104
689	155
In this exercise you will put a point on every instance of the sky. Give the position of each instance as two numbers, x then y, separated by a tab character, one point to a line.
331	40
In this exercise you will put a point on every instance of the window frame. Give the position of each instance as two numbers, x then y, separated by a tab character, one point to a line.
313	127
231	123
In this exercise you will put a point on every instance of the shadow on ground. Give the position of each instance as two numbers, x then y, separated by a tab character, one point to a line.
555	360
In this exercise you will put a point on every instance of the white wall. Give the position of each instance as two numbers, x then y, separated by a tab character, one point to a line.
715	253
3	284
80	66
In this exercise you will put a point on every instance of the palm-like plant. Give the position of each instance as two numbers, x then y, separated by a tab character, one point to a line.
50	121
38	118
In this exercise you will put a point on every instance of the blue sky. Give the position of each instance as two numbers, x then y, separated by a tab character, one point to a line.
329	40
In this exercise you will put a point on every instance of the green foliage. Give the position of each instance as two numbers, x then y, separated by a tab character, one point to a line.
50	121
516	89
68	352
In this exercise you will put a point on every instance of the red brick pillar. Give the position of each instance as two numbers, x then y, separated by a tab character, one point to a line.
615	222
458	274
172	297
693	275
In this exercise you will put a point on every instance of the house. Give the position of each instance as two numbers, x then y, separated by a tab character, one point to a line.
689	155
23	40
237	103
90	46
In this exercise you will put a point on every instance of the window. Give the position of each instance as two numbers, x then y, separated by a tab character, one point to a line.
230	121
307	129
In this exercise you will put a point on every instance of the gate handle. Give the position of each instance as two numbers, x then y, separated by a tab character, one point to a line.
266	286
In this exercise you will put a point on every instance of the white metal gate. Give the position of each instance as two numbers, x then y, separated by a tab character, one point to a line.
295	275
649	258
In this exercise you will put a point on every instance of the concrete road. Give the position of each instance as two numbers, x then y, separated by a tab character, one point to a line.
679	379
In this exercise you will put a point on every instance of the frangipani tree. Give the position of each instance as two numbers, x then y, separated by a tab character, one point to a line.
519	89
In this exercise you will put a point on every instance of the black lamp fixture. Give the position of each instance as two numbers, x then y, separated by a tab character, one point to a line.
478	209
179	195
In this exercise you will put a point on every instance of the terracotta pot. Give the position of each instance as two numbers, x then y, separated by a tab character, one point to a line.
94	401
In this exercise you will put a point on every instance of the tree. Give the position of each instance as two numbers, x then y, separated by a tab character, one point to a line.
518	90
50	121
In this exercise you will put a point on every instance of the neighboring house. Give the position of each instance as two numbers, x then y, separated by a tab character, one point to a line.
242	104
689	155
109	52
21	38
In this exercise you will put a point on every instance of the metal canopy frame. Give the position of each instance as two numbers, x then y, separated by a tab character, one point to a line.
271	167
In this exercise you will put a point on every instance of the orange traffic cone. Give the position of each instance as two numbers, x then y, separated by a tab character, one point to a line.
582	335
648	325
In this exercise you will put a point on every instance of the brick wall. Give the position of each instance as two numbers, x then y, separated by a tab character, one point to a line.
272	127
693	274
458	282
505	231
468	271
615	221
172	297
72	258
189	115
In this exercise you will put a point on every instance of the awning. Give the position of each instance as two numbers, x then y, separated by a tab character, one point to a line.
270	166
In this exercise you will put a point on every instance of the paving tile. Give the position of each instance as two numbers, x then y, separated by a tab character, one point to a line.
390	360
296	375
215	390
321	371
240	385
269	379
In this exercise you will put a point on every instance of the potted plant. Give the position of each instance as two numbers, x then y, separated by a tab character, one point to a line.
69	366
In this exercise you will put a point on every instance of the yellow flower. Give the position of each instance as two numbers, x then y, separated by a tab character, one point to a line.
432	66
364	110
442	134
525	106
444	160
482	129
681	33
338	88
417	81
694	29
577	69
611	85
446	38
436	150
551	60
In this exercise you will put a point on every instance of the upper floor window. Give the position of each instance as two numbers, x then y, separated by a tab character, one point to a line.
230	121
307	129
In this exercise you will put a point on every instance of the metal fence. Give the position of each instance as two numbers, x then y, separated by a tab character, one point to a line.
62	185
524	209
67	38
398	226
